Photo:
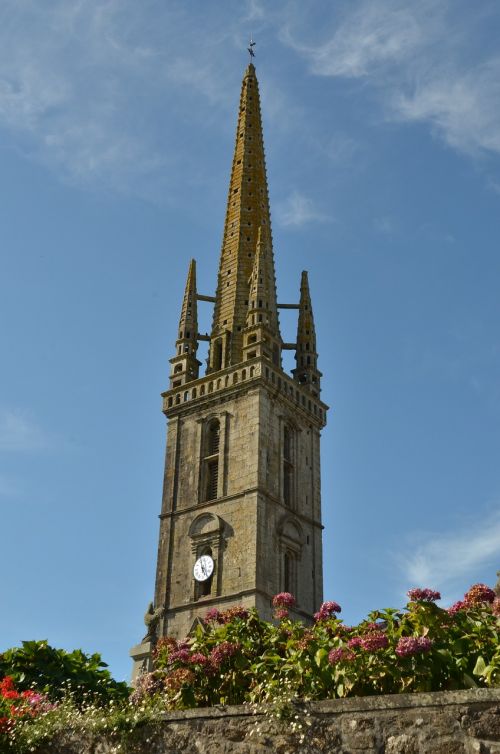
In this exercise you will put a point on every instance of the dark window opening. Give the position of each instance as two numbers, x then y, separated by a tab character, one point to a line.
288	573
218	354
213	438
287	466
212	480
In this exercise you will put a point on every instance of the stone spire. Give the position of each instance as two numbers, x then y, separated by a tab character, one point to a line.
306	357
185	365
247	211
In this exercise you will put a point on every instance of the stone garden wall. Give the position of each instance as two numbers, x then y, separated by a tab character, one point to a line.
453	722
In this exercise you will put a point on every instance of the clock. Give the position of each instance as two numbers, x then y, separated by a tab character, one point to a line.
203	568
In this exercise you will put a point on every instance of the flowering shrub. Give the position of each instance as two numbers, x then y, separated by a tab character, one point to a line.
234	657
17	705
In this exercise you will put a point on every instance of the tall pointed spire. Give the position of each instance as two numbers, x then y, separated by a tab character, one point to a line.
247	211
185	365
306	357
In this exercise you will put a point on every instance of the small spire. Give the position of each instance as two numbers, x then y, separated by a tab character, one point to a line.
185	366
306	357
261	295
188	322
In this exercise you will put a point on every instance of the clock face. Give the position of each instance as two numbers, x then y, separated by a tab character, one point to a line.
203	568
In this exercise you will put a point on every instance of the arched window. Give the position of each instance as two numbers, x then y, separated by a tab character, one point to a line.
291	539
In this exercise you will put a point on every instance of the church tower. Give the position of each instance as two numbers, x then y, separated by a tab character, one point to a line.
241	510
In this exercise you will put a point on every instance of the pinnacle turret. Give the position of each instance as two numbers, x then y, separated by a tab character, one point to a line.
247	211
185	365
306	357
261	336
262	288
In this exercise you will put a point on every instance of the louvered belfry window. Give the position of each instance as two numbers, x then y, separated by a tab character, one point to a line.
212	460
287	466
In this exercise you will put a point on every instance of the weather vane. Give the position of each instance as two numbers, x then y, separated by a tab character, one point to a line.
250	48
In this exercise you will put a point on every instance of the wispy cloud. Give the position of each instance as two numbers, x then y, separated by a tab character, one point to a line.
368	37
255	11
418	59
464	108
18	432
100	92
298	210
445	561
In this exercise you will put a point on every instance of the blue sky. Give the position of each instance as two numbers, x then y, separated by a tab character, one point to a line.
382	133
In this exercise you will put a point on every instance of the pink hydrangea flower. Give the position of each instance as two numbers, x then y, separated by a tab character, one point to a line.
222	652
374	641
280	613
283	599
460	605
337	655
423	595
412	645
234	612
212	615
326	610
495	606
478	594
356	641
180	655
197	658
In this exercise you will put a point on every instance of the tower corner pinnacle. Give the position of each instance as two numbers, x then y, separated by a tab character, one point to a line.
306	356
184	365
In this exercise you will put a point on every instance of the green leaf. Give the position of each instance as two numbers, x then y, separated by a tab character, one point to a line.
320	656
479	667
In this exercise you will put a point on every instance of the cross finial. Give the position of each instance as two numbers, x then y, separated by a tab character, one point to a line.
250	47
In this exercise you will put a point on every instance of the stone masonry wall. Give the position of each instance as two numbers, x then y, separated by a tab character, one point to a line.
452	722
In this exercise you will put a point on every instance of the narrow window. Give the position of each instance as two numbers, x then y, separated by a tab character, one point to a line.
287	466
289	573
212	480
211	461
218	354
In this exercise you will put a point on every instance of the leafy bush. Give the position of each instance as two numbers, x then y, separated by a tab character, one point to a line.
55	672
236	657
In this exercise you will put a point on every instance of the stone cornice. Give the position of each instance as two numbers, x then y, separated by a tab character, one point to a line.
207	505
